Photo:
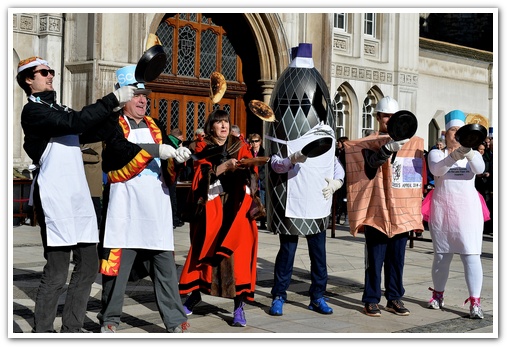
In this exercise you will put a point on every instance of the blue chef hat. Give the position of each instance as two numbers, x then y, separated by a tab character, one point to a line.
454	118
126	76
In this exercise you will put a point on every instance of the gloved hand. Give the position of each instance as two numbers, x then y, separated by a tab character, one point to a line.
297	157
462	153
395	146
166	152
124	94
182	154
332	186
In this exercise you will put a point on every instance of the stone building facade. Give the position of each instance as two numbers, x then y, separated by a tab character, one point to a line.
361	56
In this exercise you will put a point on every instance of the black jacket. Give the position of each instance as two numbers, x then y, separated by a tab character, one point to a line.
42	121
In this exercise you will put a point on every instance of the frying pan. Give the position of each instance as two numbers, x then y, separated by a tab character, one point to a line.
402	125
151	64
317	147
471	135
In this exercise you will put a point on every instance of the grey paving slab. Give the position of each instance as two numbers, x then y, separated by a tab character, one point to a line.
213	316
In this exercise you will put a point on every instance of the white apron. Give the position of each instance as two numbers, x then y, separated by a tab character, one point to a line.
305	182
65	197
139	213
456	221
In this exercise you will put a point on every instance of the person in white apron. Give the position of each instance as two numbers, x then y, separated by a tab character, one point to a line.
456	217
60	193
138	222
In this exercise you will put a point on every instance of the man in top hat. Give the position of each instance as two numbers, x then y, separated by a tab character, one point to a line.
138	223
63	203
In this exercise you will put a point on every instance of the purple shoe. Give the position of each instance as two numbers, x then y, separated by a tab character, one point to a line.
239	317
190	303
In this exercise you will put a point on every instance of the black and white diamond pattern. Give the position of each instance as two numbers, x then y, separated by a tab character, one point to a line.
300	101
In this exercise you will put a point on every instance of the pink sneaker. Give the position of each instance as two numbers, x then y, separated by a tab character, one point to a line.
437	300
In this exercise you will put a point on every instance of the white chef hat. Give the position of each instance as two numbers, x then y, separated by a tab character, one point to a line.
31	62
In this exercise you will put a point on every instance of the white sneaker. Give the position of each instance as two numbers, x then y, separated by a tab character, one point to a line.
436	304
108	328
476	312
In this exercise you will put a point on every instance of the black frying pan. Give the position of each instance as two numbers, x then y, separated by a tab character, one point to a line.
317	147
402	125
151	64
471	135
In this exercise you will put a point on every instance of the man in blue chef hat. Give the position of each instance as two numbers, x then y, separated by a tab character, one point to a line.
146	236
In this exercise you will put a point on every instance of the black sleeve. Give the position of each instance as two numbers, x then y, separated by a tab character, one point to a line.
373	160
376	159
54	122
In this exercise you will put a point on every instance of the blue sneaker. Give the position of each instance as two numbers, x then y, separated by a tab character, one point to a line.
277	306
239	319
320	306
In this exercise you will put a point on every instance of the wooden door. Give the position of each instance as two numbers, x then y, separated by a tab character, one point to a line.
189	112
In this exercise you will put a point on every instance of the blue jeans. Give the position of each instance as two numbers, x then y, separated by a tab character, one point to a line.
285	262
390	253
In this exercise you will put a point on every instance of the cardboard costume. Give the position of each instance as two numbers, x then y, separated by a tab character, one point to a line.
391	200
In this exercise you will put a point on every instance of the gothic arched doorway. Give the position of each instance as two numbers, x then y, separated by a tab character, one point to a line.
196	45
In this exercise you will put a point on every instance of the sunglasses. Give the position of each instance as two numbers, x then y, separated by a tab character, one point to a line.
255	141
45	72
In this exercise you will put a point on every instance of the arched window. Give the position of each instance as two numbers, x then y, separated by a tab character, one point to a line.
341	111
369	104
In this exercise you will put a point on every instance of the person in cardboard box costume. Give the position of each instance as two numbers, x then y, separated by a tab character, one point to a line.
384	194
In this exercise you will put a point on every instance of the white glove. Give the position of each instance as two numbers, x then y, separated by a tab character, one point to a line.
297	157
462	153
166	152
332	186
182	154
395	146
124	94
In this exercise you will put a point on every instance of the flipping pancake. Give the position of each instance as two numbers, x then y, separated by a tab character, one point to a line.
262	110
218	86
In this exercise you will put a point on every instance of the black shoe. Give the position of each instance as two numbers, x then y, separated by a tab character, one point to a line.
372	310
397	307
263	226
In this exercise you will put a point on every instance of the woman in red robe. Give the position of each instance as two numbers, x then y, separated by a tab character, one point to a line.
222	258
